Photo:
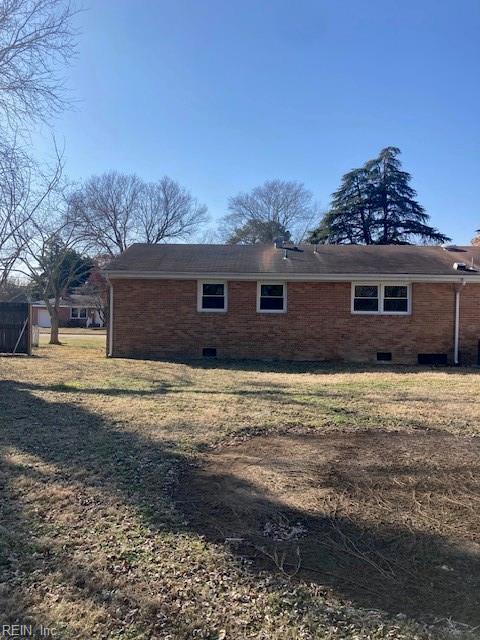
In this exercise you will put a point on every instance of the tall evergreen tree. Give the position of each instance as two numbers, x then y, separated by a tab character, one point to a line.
376	205
351	215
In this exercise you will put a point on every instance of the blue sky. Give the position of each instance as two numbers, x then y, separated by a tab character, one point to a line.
222	95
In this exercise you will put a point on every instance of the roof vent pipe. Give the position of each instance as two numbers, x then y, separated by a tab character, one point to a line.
462	266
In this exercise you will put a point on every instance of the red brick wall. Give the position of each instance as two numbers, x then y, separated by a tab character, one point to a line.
470	324
159	318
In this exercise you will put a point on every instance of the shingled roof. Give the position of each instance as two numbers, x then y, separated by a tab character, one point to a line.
265	260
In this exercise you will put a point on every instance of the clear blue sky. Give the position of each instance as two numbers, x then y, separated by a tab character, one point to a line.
224	94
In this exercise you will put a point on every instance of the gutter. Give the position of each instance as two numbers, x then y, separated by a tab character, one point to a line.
289	277
110	323
456	343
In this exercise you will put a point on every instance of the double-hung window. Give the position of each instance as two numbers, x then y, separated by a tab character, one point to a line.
212	296
381	298
366	298
395	298
78	313
271	297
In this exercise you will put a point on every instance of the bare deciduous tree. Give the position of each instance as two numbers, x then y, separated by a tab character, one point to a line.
35	36
277	204
114	210
14	183
53	265
23	190
97	288
168	210
14	290
46	244
104	211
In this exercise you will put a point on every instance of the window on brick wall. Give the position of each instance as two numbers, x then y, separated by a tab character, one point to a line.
212	296
78	313
381	298
395	299
366	298
271	297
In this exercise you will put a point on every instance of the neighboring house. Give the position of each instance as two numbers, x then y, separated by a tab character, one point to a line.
401	304
75	310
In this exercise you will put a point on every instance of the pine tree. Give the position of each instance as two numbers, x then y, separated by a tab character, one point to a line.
376	205
351	216
254	231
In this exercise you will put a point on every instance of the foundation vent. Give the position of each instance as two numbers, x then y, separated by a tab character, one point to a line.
384	356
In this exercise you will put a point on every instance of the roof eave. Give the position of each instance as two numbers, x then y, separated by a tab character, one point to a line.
293	277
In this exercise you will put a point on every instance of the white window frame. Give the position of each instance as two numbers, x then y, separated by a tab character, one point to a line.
381	296
78	316
259	291
200	284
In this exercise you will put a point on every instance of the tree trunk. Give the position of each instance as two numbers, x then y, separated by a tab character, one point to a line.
54	327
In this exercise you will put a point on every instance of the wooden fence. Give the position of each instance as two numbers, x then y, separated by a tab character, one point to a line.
15	328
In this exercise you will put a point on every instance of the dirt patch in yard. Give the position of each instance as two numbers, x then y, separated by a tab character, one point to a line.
389	520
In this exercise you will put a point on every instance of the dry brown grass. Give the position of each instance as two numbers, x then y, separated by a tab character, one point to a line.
93	539
391	520
69	331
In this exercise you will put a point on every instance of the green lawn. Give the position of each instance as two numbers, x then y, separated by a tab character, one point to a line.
98	456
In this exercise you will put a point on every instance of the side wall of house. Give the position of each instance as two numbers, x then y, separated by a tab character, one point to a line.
159	318
470	324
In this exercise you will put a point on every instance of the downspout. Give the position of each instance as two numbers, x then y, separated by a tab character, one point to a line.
110	323
458	289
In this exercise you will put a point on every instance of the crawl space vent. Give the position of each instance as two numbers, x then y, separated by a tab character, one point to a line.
209	352
384	356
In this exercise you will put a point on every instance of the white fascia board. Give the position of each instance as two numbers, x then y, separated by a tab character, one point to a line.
44	306
296	277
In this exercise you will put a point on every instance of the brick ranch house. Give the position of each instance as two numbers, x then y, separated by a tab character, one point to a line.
76	310
400	304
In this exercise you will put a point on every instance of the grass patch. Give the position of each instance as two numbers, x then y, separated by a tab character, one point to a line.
96	538
386	518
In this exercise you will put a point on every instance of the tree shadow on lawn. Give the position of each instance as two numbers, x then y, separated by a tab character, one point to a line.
43	533
39	568
319	367
82	450
389	520
267	391
275	392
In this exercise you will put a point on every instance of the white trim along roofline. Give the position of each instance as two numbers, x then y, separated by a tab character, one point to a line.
292	277
39	305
